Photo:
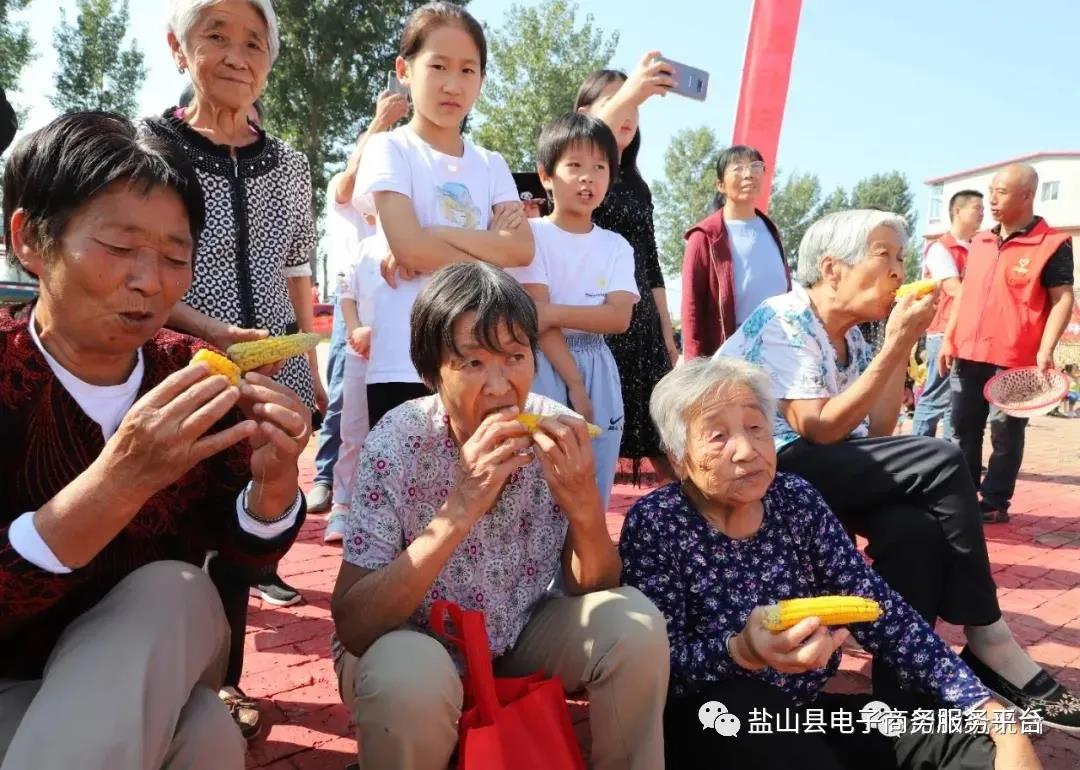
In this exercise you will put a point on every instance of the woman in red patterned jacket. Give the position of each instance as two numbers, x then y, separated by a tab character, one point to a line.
122	465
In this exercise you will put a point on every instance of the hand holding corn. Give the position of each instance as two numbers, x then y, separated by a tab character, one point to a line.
804	641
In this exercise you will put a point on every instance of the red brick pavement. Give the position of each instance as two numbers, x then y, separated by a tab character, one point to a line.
1036	562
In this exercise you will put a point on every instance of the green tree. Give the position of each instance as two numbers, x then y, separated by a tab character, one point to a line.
792	206
94	72
536	62
16	47
333	63
686	192
837	200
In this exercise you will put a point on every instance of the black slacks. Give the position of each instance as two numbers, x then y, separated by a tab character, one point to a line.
384	396
913	499
970	413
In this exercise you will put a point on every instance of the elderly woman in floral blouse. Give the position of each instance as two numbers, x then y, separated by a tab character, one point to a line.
733	536
837	405
454	499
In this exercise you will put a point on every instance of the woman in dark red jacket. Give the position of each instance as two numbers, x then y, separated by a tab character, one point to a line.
734	257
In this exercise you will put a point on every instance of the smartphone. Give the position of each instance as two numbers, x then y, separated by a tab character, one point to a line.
395	86
689	81
531	191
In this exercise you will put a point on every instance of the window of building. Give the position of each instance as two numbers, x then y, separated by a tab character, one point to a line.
1050	191
935	202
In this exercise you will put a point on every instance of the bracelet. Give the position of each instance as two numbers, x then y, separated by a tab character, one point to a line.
741	659
247	510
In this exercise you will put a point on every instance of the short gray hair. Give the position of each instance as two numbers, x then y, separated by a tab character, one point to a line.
184	13
844	235
683	390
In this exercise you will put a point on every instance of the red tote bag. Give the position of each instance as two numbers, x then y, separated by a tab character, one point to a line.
519	723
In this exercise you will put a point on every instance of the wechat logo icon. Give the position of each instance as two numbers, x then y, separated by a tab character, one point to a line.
714	715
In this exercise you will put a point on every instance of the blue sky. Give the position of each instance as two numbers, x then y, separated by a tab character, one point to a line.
925	86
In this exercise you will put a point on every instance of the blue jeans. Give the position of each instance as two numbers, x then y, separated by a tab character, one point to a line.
330	433
936	400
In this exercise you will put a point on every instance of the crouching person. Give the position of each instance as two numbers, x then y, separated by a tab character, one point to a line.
122	465
455	499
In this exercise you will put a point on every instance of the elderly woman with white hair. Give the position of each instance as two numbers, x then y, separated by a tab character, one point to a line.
732	536
910	496
252	264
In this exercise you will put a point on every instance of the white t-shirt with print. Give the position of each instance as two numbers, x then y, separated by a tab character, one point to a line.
579	269
445	190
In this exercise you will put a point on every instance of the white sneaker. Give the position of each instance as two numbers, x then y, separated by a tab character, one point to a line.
335	528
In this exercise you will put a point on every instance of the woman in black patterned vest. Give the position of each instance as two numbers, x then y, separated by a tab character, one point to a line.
253	262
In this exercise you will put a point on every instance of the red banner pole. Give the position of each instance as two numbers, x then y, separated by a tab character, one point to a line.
766	74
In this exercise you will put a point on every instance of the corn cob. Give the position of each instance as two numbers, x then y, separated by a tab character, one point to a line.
218	364
830	610
252	355
532	421
916	288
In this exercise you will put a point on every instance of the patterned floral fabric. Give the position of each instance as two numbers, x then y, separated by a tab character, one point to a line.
786	338
507	562
706	584
259	232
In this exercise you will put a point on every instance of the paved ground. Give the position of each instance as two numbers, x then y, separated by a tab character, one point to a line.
1036	561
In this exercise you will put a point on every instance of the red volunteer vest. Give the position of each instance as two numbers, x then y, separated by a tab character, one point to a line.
1003	309
959	254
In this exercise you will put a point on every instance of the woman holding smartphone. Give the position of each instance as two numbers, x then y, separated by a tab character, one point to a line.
647	350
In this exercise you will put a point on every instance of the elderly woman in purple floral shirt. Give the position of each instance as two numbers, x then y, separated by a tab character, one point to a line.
733	536
454	499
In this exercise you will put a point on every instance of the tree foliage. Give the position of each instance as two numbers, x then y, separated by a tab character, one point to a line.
685	194
536	61
793	207
16	46
797	204
333	63
95	72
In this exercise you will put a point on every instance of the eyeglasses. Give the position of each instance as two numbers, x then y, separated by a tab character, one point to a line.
757	168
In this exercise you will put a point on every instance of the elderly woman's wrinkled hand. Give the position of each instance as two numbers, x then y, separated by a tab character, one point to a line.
164	435
565	453
284	427
910	318
806	646
494	451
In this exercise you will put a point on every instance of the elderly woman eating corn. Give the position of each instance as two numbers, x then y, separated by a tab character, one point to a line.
715	549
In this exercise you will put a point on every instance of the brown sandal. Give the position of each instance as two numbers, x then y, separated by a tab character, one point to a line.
245	711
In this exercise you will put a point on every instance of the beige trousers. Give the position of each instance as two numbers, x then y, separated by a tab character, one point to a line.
405	694
131	684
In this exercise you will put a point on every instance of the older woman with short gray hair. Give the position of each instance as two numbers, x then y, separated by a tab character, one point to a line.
910	496
732	536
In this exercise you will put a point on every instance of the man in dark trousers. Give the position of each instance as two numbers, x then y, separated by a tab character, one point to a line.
8	123
1014	304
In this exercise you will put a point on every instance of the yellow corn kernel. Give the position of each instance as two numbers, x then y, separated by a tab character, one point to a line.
916	288
252	355
218	364
532	421
830	610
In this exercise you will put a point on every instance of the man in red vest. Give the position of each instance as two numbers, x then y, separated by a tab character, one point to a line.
945	262
1014	304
